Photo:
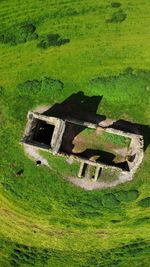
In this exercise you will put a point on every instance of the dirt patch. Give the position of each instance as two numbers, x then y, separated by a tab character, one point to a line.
99	131
121	151
87	184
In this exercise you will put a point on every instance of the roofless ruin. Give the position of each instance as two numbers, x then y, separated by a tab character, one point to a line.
95	144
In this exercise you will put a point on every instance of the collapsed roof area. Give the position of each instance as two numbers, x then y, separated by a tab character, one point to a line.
95	146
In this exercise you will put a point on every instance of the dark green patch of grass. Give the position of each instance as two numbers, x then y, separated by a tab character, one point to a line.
117	17
131	252
30	93
115	4
87	209
142	221
40	88
120	256
110	201
127	196
31	256
90	206
120	91
29	88
145	202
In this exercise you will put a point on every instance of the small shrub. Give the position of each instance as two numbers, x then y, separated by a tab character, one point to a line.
29	87
145	203
31	91
52	40
50	87
19	34
49	84
28	28
25	32
117	17
115	4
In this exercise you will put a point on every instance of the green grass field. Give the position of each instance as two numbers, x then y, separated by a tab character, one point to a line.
63	47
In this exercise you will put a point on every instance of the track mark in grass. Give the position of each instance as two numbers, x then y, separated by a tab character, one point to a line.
52	40
145	202
127	196
110	201
117	17
115	221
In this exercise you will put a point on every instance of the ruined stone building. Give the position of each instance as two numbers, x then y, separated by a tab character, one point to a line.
63	137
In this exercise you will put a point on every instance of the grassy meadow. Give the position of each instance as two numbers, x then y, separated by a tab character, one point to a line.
50	50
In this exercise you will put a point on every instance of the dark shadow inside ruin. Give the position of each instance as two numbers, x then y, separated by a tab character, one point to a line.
71	131
102	157
67	147
84	170
43	133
